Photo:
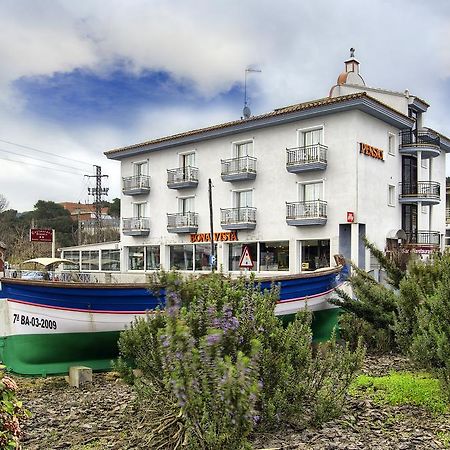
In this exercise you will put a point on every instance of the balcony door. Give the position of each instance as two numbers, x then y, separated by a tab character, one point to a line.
186	205
309	192
409	175
311	137
140	168
139	210
409	221
243	149
187	161
243	199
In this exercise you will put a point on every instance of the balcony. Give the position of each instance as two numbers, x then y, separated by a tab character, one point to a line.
424	141
306	213
427	192
447	216
238	169
182	177
136	226
426	238
182	222
310	157
238	218
135	185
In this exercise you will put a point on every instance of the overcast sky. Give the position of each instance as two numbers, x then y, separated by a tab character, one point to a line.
78	78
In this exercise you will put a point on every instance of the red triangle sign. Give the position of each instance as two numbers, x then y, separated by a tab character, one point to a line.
246	260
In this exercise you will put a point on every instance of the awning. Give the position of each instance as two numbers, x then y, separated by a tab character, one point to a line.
46	262
396	234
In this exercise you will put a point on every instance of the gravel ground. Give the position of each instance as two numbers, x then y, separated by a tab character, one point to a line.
103	415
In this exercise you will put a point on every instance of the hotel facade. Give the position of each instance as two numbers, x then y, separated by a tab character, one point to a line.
290	188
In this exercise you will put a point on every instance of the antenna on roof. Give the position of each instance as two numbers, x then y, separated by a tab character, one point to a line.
246	111
352	52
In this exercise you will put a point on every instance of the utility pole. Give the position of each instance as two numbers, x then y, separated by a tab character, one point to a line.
98	192
213	256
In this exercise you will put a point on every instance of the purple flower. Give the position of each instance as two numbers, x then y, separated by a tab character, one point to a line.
213	339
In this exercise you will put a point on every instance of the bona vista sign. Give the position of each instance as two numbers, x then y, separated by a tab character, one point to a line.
368	150
221	236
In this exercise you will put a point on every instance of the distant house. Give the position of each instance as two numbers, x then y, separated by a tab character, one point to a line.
82	212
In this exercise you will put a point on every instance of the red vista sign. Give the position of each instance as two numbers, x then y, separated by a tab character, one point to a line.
41	235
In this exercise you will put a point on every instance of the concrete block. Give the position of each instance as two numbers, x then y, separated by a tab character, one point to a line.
79	375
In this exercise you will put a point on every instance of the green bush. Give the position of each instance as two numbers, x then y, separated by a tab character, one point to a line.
12	413
218	362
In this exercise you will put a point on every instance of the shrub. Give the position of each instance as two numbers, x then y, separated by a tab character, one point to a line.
12	413
218	361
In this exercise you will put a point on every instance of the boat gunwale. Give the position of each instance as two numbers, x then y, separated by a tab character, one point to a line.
81	285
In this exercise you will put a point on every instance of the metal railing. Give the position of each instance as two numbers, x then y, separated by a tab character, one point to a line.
306	155
245	214
306	210
181	220
423	237
427	189
447	215
136	223
136	182
418	137
238	165
181	174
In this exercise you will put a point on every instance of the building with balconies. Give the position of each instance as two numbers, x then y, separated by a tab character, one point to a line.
292	186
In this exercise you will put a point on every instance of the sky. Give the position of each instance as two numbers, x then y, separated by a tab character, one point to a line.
78	78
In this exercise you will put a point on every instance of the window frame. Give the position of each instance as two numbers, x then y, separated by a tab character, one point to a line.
302	131
391	204
392	138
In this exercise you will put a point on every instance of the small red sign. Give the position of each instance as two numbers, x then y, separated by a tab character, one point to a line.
350	216
41	235
246	260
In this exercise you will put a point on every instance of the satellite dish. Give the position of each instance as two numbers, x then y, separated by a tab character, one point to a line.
246	112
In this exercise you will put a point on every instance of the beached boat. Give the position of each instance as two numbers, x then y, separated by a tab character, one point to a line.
48	326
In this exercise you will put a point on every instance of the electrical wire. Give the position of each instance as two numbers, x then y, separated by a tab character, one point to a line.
38	159
42	167
42	151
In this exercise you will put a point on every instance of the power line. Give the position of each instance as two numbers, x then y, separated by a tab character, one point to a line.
42	167
42	151
38	159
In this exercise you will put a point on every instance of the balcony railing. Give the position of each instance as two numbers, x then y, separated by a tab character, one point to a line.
182	222
413	141
425	191
243	168
136	226
423	237
419	137
313	212
137	184
309	157
182	177
238	218
447	215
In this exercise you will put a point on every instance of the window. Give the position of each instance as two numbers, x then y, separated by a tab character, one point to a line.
391	195
235	252
111	260
181	257
203	256
187	160
243	149
72	255
140	168
315	254
391	144
90	260
186	205
139	210
152	257
274	256
136	258
311	191
243	199
311	137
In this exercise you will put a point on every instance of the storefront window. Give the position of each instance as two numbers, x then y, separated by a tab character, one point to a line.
90	260
72	255
136	258
181	257
202	256
274	256
152	257
235	252
111	260
315	254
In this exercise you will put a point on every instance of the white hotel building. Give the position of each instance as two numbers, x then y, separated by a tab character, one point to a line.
296	185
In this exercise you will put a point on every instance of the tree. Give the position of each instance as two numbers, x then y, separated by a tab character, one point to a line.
3	203
114	208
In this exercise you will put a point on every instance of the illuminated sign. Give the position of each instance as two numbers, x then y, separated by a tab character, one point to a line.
221	236
350	216
373	152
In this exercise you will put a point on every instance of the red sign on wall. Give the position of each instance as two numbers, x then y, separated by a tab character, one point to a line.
350	216
41	235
